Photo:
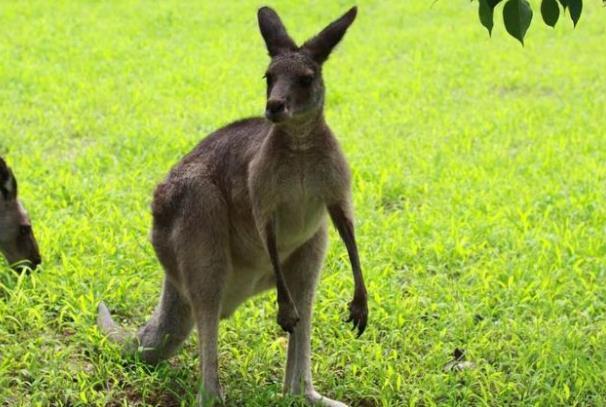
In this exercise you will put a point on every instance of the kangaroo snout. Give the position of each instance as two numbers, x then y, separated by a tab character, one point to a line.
36	261
276	110
35	258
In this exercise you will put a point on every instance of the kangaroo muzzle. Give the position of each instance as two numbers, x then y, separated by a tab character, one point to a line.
276	110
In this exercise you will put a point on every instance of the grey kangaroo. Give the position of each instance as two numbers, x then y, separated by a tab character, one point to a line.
17	241
246	211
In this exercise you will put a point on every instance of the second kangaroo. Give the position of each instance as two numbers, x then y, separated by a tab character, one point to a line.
17	240
247	210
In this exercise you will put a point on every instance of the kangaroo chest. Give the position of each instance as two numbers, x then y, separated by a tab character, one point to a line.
298	210
300	206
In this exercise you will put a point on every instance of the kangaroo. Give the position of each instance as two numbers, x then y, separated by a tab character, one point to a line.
17	241
246	211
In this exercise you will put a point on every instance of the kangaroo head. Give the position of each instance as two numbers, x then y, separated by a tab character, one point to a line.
295	88
17	241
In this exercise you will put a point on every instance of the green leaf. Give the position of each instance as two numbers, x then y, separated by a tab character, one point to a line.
564	4
486	13
575	7
550	12
517	16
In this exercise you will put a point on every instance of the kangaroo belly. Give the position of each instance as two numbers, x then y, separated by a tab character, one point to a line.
252	272
243	283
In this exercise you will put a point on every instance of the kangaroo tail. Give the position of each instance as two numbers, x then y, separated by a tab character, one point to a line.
114	331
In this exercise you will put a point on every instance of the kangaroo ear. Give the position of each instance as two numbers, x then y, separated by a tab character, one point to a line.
320	46
274	33
8	183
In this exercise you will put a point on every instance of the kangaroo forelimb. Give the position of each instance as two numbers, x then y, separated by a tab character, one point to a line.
358	307
287	312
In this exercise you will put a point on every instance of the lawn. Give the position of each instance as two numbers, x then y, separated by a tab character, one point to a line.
479	184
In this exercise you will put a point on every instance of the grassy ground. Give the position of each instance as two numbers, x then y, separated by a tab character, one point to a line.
479	187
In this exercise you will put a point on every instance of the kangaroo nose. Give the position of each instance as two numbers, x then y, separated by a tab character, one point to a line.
275	106
36	261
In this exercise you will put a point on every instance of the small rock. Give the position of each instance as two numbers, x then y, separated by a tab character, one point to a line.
458	363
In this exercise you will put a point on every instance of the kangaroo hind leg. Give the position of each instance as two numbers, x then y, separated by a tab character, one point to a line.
302	270
203	256
168	327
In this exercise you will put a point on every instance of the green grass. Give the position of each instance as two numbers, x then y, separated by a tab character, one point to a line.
479	187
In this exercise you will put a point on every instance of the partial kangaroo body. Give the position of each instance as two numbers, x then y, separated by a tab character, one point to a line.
17	241
245	159
246	211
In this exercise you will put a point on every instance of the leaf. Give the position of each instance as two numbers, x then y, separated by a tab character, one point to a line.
575	7
486	13
517	16
564	4
550	12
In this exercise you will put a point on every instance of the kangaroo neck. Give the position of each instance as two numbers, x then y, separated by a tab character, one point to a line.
299	134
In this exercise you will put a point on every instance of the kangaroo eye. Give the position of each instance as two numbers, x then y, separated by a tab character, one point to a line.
305	80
